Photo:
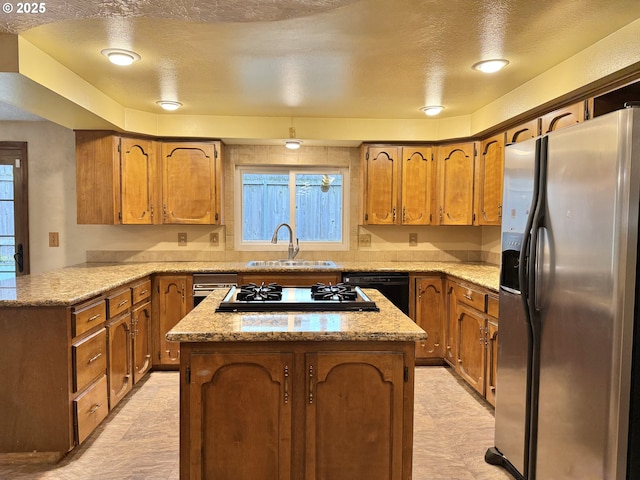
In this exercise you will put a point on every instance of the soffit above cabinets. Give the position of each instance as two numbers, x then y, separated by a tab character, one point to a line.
373	59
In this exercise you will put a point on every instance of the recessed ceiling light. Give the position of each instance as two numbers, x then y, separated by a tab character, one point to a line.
432	110
491	66
169	105
119	56
292	144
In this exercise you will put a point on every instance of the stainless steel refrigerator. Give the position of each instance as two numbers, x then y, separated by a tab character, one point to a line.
568	349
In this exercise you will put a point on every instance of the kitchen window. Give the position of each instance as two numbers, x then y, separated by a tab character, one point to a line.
312	200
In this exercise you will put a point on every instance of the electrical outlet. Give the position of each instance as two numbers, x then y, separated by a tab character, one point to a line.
213	239
413	239
182	239
54	239
364	240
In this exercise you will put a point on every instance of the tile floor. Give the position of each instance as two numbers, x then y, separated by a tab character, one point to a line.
139	439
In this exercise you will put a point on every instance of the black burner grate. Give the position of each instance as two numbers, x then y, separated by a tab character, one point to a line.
340	292
257	293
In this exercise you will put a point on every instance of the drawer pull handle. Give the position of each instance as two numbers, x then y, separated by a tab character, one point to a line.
124	302
95	408
143	292
95	357
310	383
468	296
95	317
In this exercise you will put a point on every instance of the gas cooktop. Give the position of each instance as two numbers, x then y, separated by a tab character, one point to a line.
275	298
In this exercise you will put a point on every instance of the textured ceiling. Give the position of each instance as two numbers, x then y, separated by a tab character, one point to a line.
325	58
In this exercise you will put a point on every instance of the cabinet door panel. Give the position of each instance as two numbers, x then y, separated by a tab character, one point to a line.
523	132
189	188
563	117
354	416
141	340
492	363
417	185
138	181
430	316
455	174
488	201
119	363
471	347
174	301
241	415
381	185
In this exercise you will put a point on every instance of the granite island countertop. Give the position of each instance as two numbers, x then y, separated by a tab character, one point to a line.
74	284
204	324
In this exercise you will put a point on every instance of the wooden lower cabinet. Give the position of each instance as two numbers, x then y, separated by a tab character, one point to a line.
119	360
141	329
430	314
470	346
296	410
172	300
472	336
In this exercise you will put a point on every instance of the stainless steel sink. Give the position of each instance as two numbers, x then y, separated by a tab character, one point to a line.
291	263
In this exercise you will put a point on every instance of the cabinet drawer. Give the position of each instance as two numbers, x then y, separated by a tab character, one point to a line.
90	409
86	318
141	291
118	302
492	306
89	359
470	296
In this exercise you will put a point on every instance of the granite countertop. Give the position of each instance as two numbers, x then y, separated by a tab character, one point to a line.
71	285
204	324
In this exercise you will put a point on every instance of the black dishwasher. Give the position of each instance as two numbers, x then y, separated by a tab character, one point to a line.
394	286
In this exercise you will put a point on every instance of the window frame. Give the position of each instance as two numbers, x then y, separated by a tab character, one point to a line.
309	246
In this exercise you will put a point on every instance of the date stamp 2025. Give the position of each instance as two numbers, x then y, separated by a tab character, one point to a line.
24	7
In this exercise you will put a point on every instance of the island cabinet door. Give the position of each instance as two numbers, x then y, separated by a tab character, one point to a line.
354	416
240	411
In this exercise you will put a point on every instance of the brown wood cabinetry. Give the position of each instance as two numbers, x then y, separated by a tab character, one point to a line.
192	183
564	117
398	185
116	179
456	170
488	182
301	279
172	300
119	365
472	336
417	186
141	328
430	315
135	181
523	132
491	375
381	169
334	410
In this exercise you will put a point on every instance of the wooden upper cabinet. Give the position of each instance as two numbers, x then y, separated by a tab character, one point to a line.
417	185
191	183
97	178
455	164
381	174
488	178
563	117
398	185
523	132
139	184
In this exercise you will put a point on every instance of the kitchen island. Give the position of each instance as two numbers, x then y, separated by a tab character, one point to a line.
292	395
